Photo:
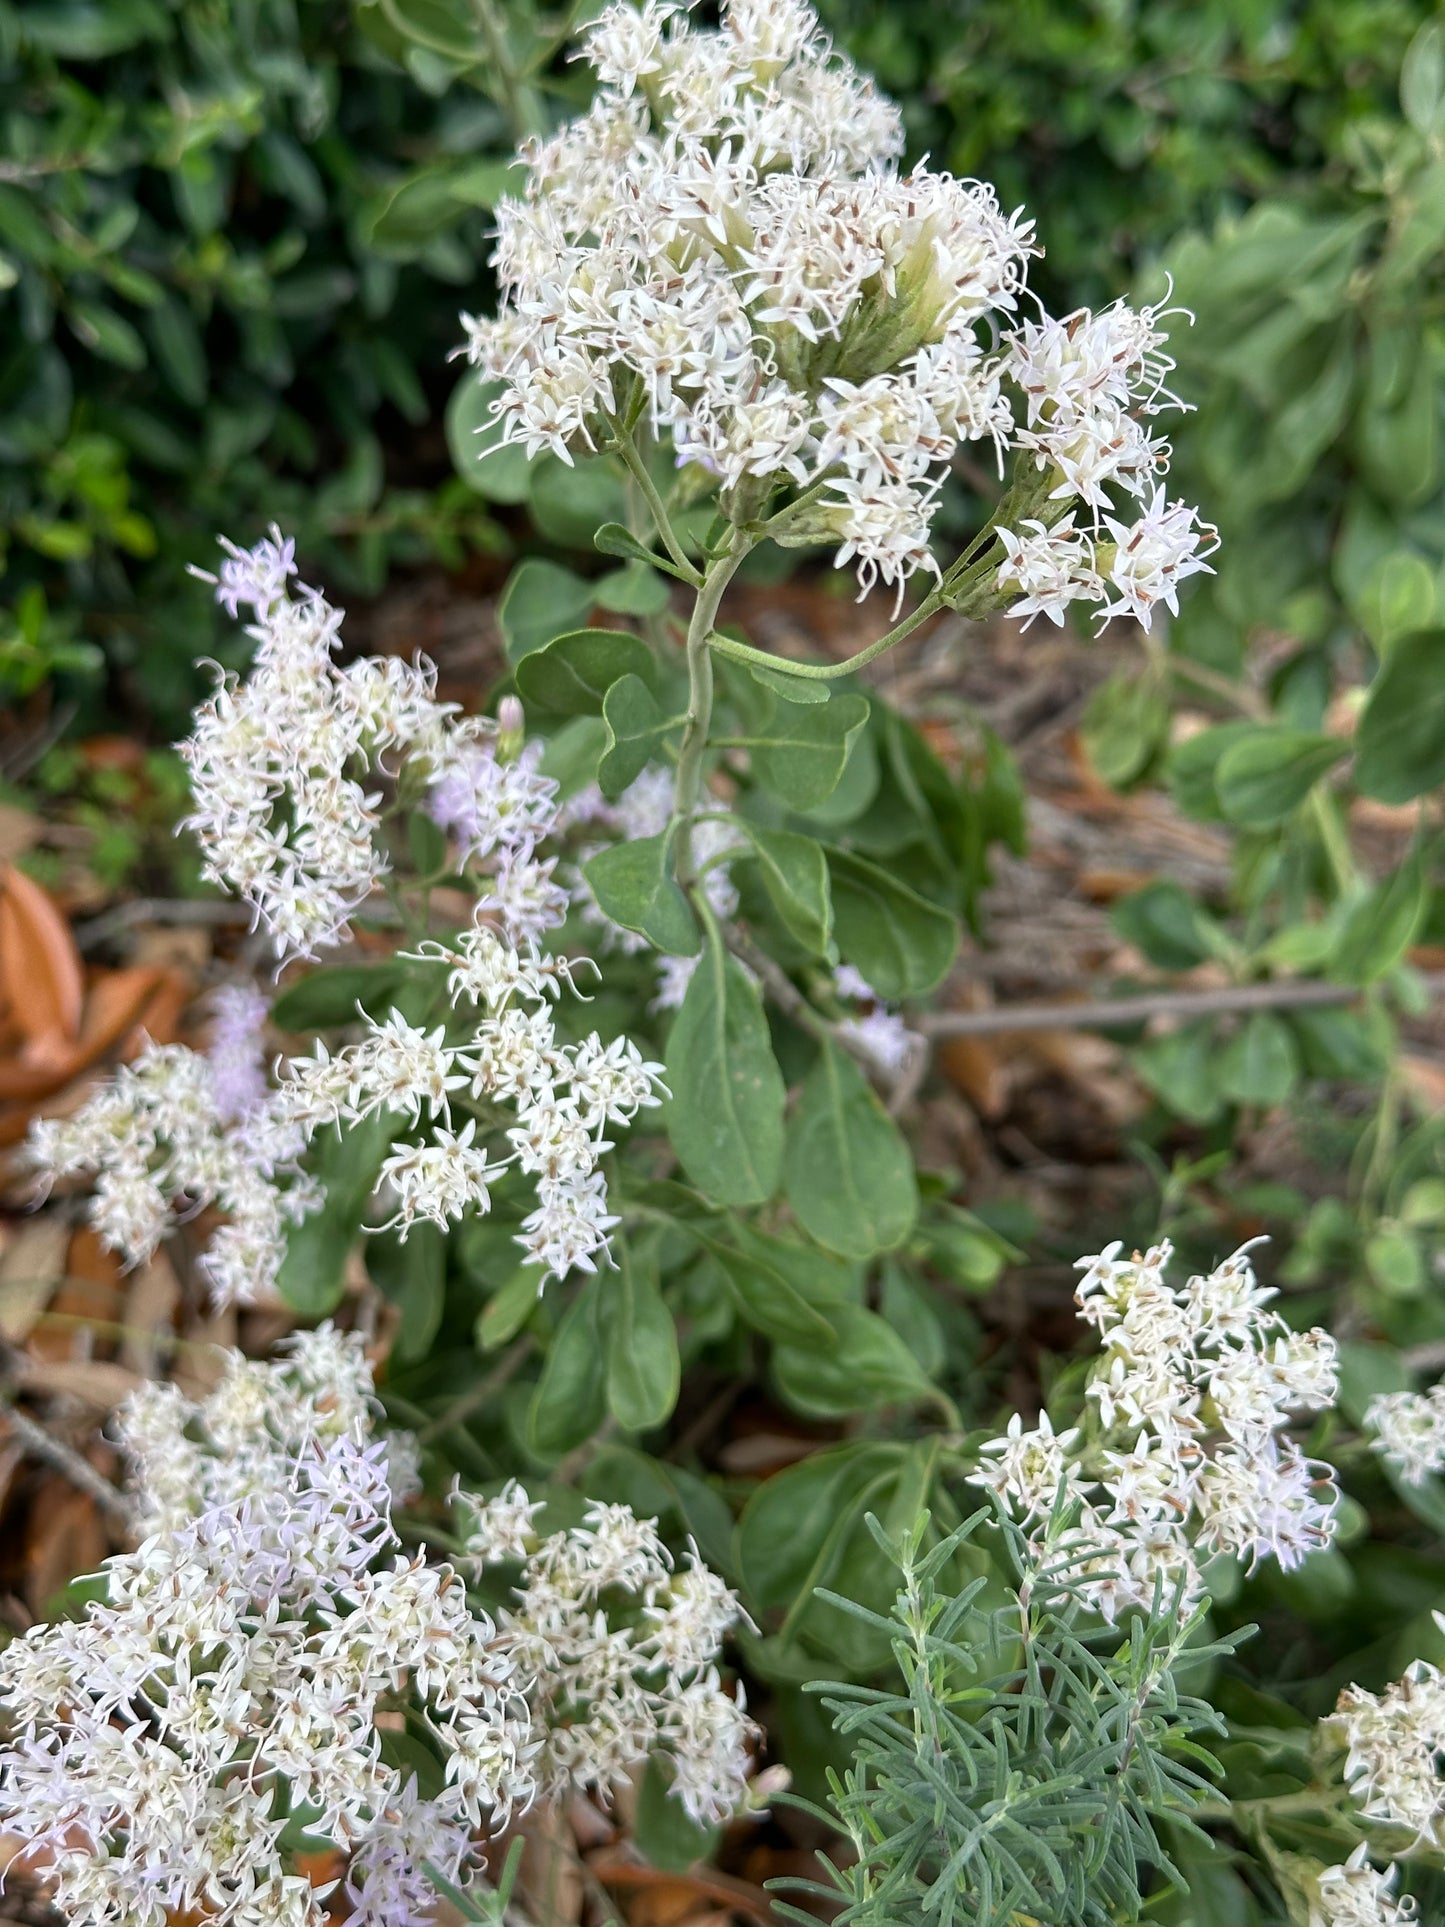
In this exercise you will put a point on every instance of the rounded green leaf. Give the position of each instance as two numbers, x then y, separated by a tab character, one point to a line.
725	1116
636	730
801	751
847	1170
541	600
902	944
571	674
1400	743
634	885
1270	771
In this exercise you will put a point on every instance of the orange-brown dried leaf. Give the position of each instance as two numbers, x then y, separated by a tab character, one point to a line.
41	981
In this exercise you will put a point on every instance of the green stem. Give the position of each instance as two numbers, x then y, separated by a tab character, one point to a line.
693	748
826	671
518	99
637	468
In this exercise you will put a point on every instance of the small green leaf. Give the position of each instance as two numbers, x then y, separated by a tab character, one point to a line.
505	1313
312	1274
808	690
539	602
1260	1064
847	1170
636	590
568	500
634	885
327	998
1125	726
570	1400
571	674
636	730
869	1366
1400	744
643	1369
800	753
1171	929
498	471
411	1274
1400	597
106	334
1380	929
1268	773
661	1828
795	875
613	539
902	944
1192	764
725	1116
765	1293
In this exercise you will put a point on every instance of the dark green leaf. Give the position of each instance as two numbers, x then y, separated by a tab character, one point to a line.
635	886
795	875
1400	744
664	1834
312	1277
539	602
807	690
1171	929
326	998
636	590
1380	929
902	944
570	1400
870	1365
571	674
636	730
504	1314
411	1274
643	1369
725	1116
1260	1063
800	753
847	1170
1270	771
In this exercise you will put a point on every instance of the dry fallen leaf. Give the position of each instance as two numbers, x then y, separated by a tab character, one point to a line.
33	1262
40	975
94	1381
67	1536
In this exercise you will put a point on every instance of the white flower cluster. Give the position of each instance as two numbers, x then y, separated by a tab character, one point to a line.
1191	1393
551	1102
231	1693
1395	1750
281	763
274	764
231	1698
724	243
1409	1430
622	1650
162	1137
1355	1894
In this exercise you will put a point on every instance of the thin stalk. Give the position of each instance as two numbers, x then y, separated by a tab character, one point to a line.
519	100
693	748
637	468
826	671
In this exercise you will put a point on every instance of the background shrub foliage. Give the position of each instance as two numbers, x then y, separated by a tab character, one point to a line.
232	240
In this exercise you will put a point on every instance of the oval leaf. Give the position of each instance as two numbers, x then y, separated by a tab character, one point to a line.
725	1116
847	1170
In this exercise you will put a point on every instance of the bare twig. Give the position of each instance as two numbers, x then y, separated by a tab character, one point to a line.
1107	1013
43	1445
483	1392
125	916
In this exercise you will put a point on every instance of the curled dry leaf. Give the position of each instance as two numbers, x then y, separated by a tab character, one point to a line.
41	985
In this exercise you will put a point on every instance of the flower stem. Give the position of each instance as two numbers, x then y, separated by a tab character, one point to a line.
693	747
637	468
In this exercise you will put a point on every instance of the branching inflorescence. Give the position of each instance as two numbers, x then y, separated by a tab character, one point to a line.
1185	1452
280	767
723	247
237	1694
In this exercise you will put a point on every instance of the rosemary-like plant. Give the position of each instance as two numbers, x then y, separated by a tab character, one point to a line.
1019	1771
